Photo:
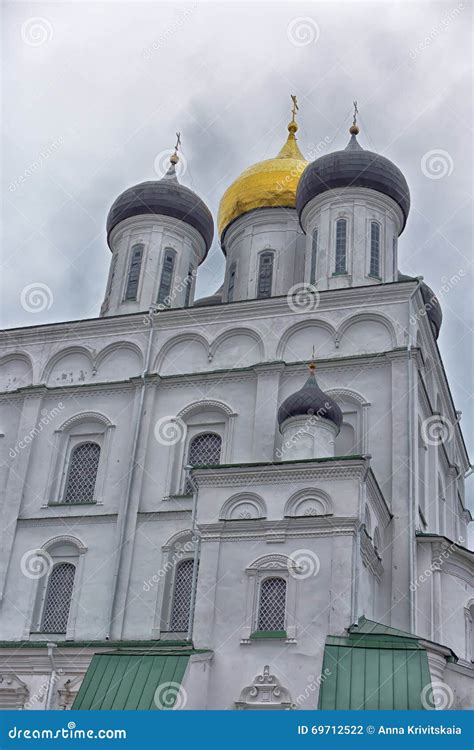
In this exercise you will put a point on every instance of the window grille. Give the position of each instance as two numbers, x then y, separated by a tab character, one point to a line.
265	275
189	283
58	598
341	245
182	596
374	249
231	286
134	272
272	605
166	278
203	449
82	475
314	257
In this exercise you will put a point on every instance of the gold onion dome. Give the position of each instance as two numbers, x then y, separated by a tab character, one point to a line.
267	184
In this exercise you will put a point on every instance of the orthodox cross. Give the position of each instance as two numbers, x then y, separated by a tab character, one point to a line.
356	112
294	108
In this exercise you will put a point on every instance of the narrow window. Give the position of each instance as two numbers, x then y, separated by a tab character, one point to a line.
314	257
58	598
231	284
166	278
82	473
395	264
204	448
111	274
341	246
134	272
272	604
374	249
181	606
265	275
189	283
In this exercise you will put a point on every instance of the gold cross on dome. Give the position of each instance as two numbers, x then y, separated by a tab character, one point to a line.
356	112
295	107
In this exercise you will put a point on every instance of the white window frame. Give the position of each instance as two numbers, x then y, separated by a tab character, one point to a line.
179	548
81	428
369	249
60	549
266	251
333	272
75	442
270	566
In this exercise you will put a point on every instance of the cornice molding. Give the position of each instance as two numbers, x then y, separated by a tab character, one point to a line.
279	473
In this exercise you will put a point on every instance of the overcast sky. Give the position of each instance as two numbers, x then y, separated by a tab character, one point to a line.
94	92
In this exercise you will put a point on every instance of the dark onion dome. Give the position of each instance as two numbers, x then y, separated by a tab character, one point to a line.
310	400
353	167
213	299
167	197
431	303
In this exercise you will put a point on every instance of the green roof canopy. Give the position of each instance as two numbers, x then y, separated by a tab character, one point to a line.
377	671
128	681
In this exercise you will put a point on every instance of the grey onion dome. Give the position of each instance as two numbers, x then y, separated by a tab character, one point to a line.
431	304
353	167
310	400
212	299
167	197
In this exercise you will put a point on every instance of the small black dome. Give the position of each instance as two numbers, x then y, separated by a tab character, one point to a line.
212	299
312	401
165	196
432	305
353	167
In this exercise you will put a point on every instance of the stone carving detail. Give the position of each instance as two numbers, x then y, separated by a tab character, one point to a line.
265	692
13	692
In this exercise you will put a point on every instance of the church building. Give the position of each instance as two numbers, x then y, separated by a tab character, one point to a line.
252	500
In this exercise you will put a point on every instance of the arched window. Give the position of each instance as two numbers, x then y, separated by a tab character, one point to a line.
182	589
134	272
341	246
231	283
265	275
272	604
314	257
189	283
374	249
58	598
166	278
204	448
82	473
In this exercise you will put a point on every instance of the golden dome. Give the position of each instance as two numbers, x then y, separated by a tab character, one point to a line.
268	183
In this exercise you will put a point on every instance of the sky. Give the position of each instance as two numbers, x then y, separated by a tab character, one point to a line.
93	94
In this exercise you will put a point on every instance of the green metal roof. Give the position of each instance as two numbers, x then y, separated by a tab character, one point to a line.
378	671
128	681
